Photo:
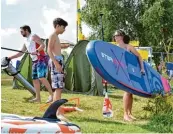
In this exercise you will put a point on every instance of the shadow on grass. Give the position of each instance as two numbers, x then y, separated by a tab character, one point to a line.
120	97
26	99
84	119
115	96
6	82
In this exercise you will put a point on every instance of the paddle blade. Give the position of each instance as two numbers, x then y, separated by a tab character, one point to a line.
107	107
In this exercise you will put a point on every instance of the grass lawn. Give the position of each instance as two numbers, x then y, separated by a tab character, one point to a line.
91	119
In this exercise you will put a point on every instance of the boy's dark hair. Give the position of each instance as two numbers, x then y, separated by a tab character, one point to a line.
60	22
126	39
26	27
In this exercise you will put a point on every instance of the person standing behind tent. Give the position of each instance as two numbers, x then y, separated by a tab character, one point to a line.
170	75
56	59
160	67
123	41
35	46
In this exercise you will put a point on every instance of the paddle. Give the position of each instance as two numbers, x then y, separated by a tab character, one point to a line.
43	56
14	50
107	106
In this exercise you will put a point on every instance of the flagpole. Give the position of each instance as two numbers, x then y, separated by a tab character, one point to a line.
77	22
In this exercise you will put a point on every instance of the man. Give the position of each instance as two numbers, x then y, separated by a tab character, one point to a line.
35	46
56	59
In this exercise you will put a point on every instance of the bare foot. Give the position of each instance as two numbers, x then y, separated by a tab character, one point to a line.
132	117
35	100
50	99
127	118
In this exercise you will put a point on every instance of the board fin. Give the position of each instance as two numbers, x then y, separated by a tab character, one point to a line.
52	109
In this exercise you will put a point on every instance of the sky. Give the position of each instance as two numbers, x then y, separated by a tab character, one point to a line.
38	14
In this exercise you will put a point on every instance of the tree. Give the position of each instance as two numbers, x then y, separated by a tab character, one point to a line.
158	22
118	14
149	21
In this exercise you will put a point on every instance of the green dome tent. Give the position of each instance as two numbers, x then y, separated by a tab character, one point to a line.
80	76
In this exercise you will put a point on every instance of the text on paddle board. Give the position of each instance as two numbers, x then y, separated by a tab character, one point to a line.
107	57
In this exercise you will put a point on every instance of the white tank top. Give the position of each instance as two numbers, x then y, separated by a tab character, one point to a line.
31	46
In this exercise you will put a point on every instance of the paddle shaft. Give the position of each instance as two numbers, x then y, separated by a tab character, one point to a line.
106	86
102	30
18	51
14	50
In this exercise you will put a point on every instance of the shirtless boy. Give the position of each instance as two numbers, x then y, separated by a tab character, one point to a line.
56	59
